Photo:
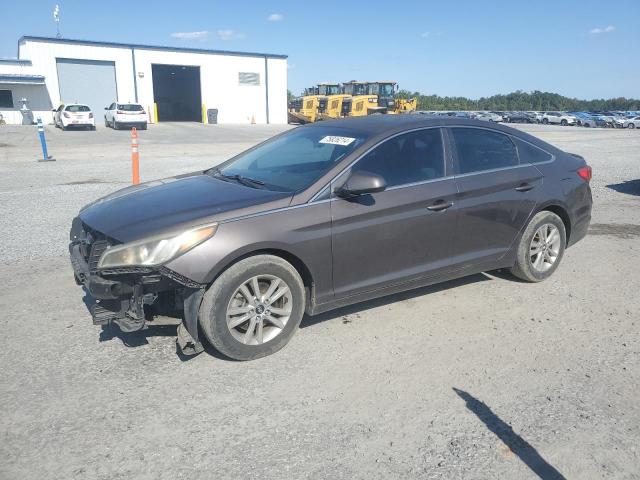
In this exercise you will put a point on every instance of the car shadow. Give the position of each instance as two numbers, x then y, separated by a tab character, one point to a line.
516	444
308	321
630	187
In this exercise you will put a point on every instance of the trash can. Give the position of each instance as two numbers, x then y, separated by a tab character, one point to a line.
212	115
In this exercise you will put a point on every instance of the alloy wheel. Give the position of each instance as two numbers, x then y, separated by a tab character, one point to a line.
545	247
259	309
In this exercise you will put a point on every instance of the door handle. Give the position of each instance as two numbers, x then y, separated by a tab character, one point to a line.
525	187
439	205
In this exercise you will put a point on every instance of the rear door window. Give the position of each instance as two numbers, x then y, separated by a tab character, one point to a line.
408	158
479	150
129	107
530	154
77	108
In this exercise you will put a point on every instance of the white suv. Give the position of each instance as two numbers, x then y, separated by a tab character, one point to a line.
70	115
558	118
119	115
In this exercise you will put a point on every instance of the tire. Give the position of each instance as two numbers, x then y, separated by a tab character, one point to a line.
115	125
143	127
632	126
563	123
545	121
525	267
106	122
586	125
225	291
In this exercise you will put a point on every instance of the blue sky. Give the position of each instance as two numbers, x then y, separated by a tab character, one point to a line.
473	48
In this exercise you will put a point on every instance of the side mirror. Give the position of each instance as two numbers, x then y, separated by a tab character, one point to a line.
106	108
361	183
54	109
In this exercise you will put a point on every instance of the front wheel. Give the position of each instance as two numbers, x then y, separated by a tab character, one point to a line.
632	126
545	121
541	247
564	123
253	308
115	125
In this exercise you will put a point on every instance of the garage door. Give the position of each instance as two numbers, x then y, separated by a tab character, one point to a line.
91	82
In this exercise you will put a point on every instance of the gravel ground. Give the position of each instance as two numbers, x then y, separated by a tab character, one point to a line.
483	377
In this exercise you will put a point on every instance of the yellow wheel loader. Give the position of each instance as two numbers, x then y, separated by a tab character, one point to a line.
308	108
335	100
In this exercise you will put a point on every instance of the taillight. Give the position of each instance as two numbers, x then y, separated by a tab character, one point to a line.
90	114
66	115
143	112
584	173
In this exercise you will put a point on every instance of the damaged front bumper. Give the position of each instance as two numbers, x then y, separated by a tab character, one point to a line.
132	296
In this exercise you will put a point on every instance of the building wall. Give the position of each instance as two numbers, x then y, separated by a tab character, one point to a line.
218	77
43	57
37	95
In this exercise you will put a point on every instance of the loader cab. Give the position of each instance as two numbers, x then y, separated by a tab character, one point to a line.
355	89
385	91
329	89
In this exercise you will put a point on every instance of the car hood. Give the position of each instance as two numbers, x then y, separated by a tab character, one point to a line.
179	202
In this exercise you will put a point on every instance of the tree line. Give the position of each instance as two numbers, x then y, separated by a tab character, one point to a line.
521	101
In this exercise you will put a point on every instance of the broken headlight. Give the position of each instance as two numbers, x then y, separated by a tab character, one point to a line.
156	250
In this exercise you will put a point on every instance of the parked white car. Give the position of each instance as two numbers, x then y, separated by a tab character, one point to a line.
127	115
74	115
633	122
558	118
489	117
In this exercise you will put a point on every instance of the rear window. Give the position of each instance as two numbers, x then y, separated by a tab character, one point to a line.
77	108
480	150
530	154
129	107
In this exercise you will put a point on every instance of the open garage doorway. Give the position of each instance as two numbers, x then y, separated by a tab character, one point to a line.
176	92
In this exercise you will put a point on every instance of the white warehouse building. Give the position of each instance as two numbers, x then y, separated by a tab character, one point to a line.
172	84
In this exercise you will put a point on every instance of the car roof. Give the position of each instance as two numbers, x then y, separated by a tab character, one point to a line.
380	126
375	124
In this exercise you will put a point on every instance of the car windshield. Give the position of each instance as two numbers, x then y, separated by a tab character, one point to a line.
293	161
129	107
77	108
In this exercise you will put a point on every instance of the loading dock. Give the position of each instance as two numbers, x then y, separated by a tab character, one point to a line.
176	93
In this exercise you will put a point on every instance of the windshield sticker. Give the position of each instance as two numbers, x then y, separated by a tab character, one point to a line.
344	141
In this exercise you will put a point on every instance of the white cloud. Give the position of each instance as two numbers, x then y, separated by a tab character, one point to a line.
425	34
229	34
597	30
430	34
191	35
275	17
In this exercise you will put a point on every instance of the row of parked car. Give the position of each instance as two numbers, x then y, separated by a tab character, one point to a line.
582	119
116	116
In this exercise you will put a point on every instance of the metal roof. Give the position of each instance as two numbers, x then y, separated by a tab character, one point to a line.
20	78
27	38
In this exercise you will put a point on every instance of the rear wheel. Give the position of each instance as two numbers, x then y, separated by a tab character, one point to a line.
545	121
253	308
541	247
632	126
115	125
563	123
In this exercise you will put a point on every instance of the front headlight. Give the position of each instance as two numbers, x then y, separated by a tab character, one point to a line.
156	250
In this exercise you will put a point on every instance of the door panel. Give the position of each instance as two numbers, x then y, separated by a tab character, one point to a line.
391	236
496	194
492	211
